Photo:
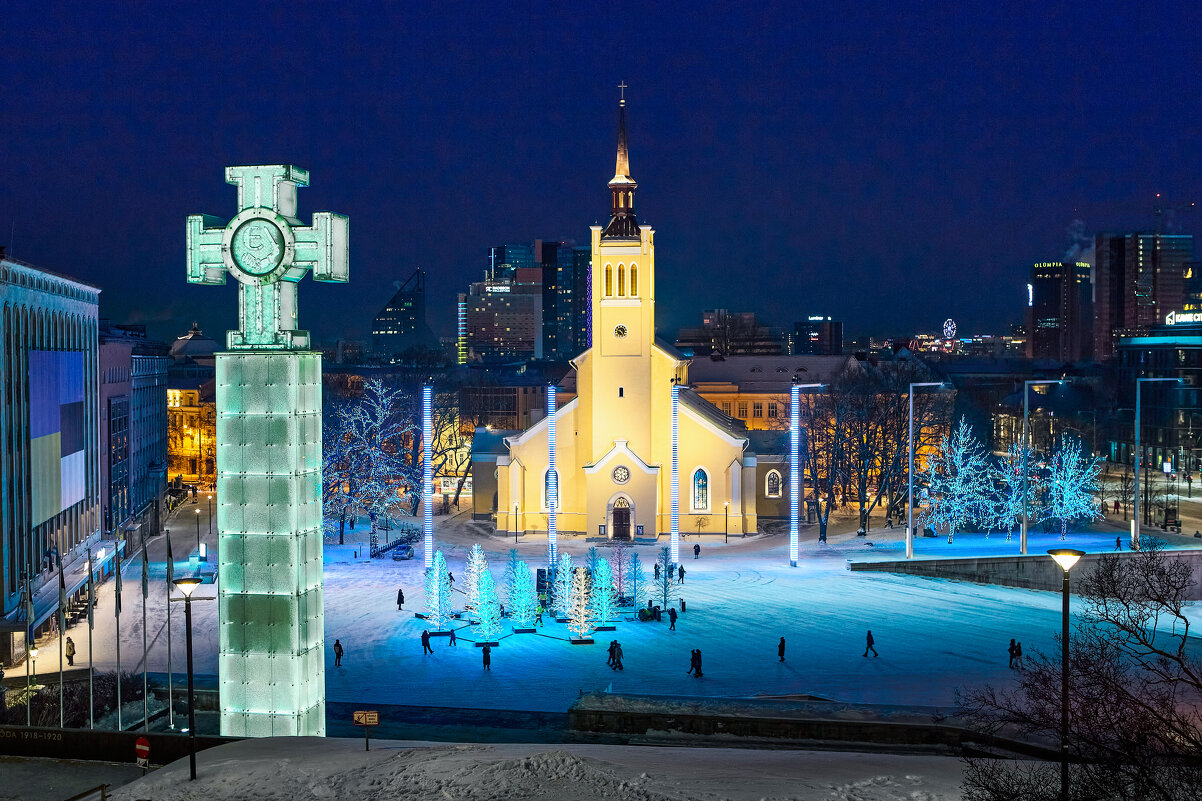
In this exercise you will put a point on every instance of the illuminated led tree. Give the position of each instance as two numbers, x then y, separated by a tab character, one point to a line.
512	564
603	596
271	662
477	566
958	482
579	610
561	586
636	578
488	609
1007	507
523	600
620	562
1071	486
438	594
593	559
665	585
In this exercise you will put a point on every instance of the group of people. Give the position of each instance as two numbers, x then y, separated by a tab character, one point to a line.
679	569
1016	655
615	655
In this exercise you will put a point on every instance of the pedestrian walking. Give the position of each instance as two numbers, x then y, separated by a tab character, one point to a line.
1013	652
1118	543
780	649
1018	655
1116	507
692	661
538	616
696	551
697	675
337	653
426	649
617	665
70	652
451	579
400	598
657	571
672	619
451	639
682	606
613	646
680	573
488	658
870	646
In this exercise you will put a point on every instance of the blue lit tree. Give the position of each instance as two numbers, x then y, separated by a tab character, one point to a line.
523	600
1071	486
438	594
477	566
488	609
604	597
511	575
593	558
579	610
958	483
1007	507
636	578
620	564
665	586
561	586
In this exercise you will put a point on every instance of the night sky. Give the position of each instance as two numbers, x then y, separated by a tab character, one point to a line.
891	168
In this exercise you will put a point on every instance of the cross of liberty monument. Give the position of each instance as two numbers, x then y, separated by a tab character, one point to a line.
271	666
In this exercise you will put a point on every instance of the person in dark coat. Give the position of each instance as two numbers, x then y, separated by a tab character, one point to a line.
680	573
337	653
400	598
617	665
1018	655
780	649
682	606
70	652
696	551
697	675
693	661
870	646
1118	543
451	639
672	619
613	646
487	657
426	649
1013	653
657	571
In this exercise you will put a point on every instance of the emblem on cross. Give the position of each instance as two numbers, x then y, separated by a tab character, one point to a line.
267	250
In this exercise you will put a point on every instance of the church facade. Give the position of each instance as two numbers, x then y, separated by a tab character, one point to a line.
613	441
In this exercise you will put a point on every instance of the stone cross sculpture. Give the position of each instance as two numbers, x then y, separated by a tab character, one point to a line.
271	668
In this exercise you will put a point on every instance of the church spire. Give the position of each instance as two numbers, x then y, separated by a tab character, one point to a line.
622	222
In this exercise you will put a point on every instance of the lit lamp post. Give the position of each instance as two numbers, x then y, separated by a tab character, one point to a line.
210	497
1139	382
910	490
726	506
1066	558
186	586
198	533
515	524
33	654
1026	453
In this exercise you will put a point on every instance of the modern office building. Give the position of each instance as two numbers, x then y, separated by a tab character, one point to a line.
1060	311
501	319
572	311
817	336
50	487
1138	279
401	324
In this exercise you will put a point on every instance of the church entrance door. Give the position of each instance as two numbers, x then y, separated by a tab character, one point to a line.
621	519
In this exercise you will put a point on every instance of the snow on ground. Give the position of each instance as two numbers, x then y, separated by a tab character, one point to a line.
313	768
933	635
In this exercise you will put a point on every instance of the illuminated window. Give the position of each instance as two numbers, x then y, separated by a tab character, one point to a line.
634	280
621	280
609	280
701	490
726	408
742	410
757	410
772	484
772	409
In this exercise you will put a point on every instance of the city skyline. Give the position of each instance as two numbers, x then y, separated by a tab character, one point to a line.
846	168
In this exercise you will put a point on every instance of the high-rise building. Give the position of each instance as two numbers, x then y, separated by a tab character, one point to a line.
1138	279
501	319
817	336
401	324
1060	311
572	311
546	256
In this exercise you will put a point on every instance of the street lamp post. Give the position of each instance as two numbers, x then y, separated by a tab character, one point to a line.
210	496
33	654
186	586
515	524
1066	558
910	491
198	532
726	505
1025	456
1139	382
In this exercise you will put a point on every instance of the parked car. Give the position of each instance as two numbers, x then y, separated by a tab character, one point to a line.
402	552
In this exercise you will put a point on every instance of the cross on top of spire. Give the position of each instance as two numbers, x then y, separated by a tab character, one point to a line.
622	86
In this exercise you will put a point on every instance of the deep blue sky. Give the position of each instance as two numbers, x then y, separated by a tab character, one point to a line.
891	167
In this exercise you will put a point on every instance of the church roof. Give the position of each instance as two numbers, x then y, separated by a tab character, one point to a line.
491	440
712	414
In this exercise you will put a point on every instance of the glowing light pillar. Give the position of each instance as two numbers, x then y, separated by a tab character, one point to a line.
675	478
552	481
794	467
271	661
428	472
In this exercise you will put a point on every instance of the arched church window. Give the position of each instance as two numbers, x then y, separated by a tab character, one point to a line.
634	280
609	280
621	280
550	487
701	489
772	484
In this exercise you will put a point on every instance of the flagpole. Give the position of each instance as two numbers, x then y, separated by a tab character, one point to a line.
62	635
28	641
145	661
117	563
91	658
170	577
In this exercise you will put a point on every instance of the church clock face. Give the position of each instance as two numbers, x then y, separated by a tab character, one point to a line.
621	474
257	247
620	331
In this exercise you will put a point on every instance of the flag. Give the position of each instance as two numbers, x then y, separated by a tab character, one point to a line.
170	564
91	592
62	601
117	579
145	573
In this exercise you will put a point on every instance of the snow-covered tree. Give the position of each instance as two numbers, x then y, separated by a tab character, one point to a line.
488	609
511	574
1071	486
561	585
1007	474
579	611
665	586
958	482
477	566
603	597
523	599
593	558
620	562
636	578
438	594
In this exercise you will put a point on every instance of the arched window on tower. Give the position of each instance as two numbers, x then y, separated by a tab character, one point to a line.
701	490
772	484
609	280
634	280
621	280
